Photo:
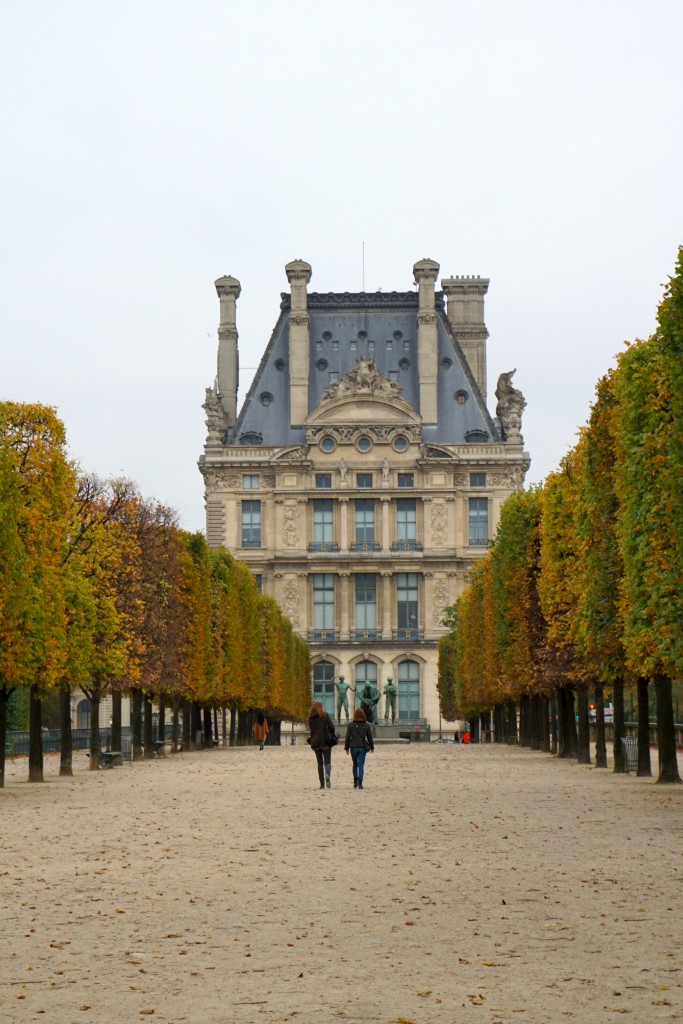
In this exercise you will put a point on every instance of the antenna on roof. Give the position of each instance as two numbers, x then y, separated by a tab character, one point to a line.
363	266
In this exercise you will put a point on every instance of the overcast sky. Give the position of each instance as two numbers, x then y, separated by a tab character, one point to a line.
149	148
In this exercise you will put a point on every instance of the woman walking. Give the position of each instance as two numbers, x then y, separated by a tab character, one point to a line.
321	727
358	741
260	729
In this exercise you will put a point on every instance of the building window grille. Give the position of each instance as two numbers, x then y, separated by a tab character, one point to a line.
406	480
478	522
406	597
323	480
366	600
408	690
364	480
323	685
365	520
251	524
477	479
406	520
323	521
323	600
251	482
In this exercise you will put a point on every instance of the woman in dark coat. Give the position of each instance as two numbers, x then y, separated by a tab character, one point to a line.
319	725
358	741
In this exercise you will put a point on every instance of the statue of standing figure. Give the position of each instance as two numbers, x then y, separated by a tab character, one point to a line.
511	404
342	689
390	692
368	697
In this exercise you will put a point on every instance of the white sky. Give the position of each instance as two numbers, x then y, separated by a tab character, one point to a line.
150	147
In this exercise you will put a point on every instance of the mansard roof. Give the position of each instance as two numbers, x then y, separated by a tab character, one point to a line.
344	327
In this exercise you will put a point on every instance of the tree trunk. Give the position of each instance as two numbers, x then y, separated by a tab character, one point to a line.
524	739
215	726
545	723
666	732
207	736
94	695
225	725
561	723
644	766
175	729
66	745
5	694
187	725
148	740
583	747
554	720
136	725
35	740
572	739
600	744
618	727
511	721
275	735
233	725
116	732
161	729
196	725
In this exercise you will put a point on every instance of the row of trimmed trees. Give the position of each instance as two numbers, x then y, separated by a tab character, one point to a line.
100	589
582	590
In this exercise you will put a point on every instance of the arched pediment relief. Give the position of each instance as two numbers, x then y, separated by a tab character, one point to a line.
363	379
365	408
293	453
435	451
349	433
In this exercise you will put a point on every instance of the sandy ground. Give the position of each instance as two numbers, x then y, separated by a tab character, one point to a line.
481	884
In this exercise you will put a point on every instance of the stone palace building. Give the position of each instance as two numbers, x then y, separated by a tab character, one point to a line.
364	473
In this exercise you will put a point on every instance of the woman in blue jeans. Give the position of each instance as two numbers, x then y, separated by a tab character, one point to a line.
358	741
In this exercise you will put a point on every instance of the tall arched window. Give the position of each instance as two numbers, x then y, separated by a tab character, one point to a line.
408	690
323	685
83	714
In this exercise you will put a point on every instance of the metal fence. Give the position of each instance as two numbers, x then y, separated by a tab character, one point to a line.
18	742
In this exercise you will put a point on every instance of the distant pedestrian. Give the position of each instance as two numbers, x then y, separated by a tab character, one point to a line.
260	729
466	736
321	730
358	741
456	737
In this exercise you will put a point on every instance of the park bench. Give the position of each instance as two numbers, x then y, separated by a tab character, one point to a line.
630	744
108	758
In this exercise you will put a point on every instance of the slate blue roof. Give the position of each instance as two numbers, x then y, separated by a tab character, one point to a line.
343	327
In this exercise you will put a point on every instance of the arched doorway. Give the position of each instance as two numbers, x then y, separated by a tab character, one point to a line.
408	690
323	685
83	714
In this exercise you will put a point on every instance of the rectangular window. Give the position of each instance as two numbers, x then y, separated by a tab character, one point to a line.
323	521
323	480
390	345
259	582
406	346
251	482
371	348
406	597
251	524
352	345
323	600
335	345
393	375
477	479
366	600
406	520
334	376
365	520
363	479
406	480
318	346
478	521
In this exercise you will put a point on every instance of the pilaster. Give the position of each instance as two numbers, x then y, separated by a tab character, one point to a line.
465	311
228	289
425	273
298	274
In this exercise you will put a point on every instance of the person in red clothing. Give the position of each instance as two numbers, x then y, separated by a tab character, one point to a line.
260	729
466	736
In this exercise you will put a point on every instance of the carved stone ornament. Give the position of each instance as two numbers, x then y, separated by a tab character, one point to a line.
511	405
213	480
439	600
297	454
300	319
350	433
215	423
426	318
513	477
290	530
439	525
364	379
290	602
460	479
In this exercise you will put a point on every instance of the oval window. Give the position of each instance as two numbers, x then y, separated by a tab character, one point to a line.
321	364
461	397
328	444
364	444
400	444
265	398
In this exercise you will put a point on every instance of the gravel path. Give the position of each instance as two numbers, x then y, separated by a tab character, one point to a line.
484	884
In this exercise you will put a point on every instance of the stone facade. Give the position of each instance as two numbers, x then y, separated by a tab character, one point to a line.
364	474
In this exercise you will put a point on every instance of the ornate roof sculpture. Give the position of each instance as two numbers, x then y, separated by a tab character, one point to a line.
364	379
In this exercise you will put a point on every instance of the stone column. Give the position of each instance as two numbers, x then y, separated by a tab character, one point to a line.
386	504
425	273
386	605
298	274
228	289
343	524
344	605
465	311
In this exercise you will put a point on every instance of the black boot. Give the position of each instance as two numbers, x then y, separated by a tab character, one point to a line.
355	782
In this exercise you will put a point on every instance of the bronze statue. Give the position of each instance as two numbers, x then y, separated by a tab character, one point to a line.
368	697
342	689
390	692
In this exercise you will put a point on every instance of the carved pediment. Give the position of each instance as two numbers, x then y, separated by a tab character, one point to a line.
363	379
364	395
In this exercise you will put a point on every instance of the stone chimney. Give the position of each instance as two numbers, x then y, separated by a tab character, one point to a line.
425	273
228	289
465	310
298	274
